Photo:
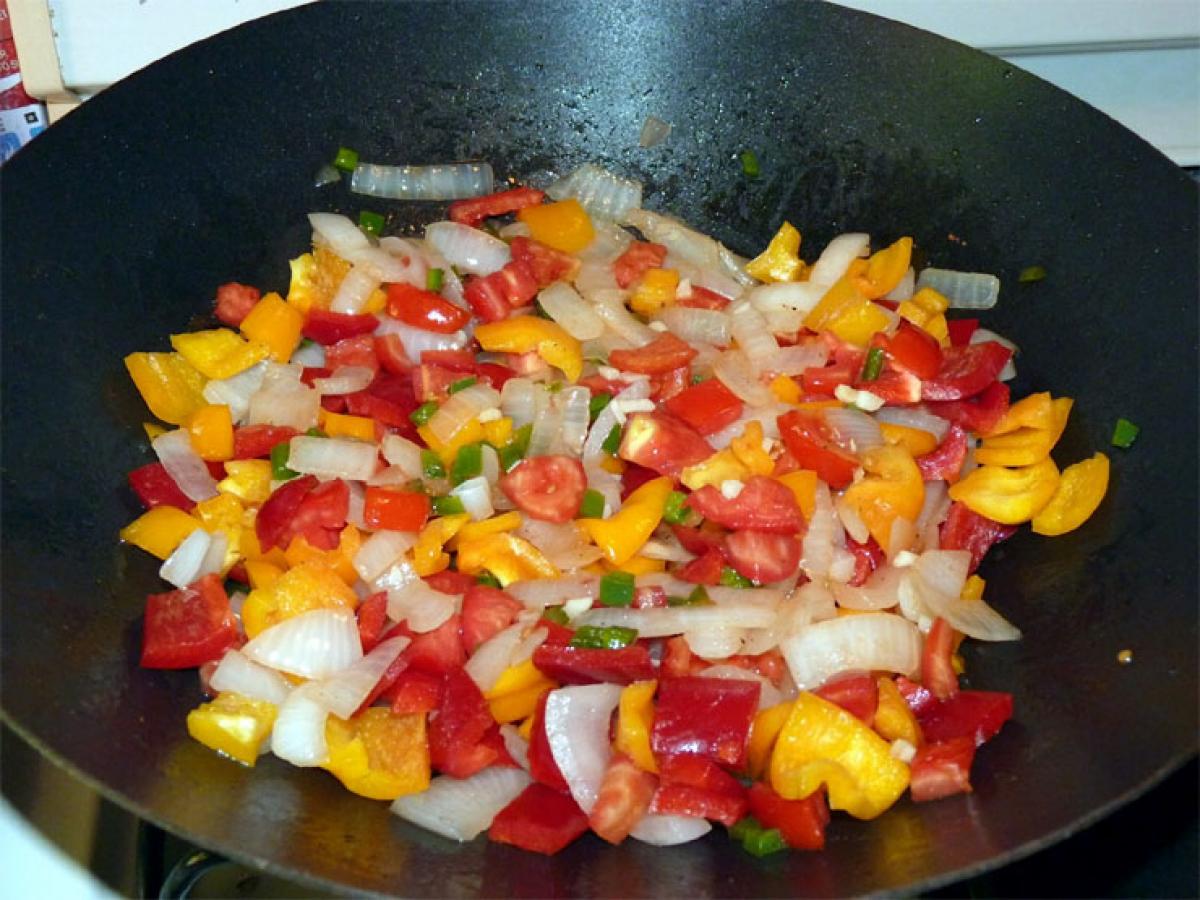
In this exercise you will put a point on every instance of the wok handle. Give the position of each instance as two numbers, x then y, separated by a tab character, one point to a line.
183	876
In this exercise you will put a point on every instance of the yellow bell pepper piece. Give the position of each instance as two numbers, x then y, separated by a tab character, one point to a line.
311	585
340	559
973	588
802	483
506	556
168	383
1027	444
525	729
223	513
821	743
1080	490
360	428
498	432
917	441
261	573
522	334
474	531
428	557
210	431
655	291
894	721
153	430
276	324
612	464
315	279
846	312
785	389
885	269
247	479
219	352
515	694
637	565
160	530
564	226
1033	411
764	731
249	547
893	488
379	754
927	309
781	260
1009	496
470	433
622	535
635	718
233	725
743	458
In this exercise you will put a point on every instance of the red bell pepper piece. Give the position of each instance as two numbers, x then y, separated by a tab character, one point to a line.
979	413
583	665
438	651
634	477
546	264
155	487
846	367
937	668
975	714
707	716
965	529
372	616
432	382
700	540
486	611
541	819
801	822
703	298
623	799
966	371
893	387
494	296
187	627
415	692
450	582
474	210
960	330
763	505
386	412
327	327
661	355
708	406
630	266
556	635
542	766
857	694
762	556
812	444
395	510
670	384
662	443
257	441
425	309
913	349
704	569
867	558
274	523
691	785
456	731
234	302
942	768
393	358
944	462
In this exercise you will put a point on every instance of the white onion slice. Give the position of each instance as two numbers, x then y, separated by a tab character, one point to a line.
461	809
542	592
184	465
340	234
904	289
754	339
791	296
736	373
236	391
517	746
835	259
668	830
346	380
609	305
447	181
823	537
654	132
565	544
468	249
603	194
343	692
400	451
417	340
237	673
768	695
866	642
964	290
666	621
291	405
563	304
982	336
420	606
596	274
933	513
354	290
707	326
856	431
460	409
493	656
576	721
575	403
183	566
939	576
593	447
715	642
333	457
880	591
795	359
914	417
476	496
299	732
698	249
380	551
312	644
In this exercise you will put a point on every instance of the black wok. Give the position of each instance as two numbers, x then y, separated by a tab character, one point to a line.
119	223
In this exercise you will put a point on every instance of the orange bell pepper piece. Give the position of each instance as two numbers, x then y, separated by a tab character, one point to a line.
1080	490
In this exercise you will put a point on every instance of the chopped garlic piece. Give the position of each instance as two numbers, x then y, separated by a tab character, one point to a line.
731	488
903	750
491	414
864	400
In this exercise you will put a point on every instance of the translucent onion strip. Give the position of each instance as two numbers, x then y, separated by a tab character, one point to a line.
184	465
603	194
964	290
452	181
862	643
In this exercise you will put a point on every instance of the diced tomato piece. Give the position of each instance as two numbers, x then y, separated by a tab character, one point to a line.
486	611
493	296
703	298
389	350
549	488
495	374
670	384
432	382
978	715
708	406
945	461
913	349
960	330
474	210
327	327
762	556
352	351
257	441
527	364
450	582
542	767
458	360
706	716
155	487
623	799
372	616
893	387
661	355
541	820
965	529
546	264
415	692
461	723
425	309
966	371
700	540
937	669
801	822
273	525
677	658
691	785
824	380
662	443
867	558
322	514
639	256
582	665
187	627
942	768
979	413
386	412
764	504
395	510
438	651
556	635
857	694
813	445
234	302
650	596
634	477
704	569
